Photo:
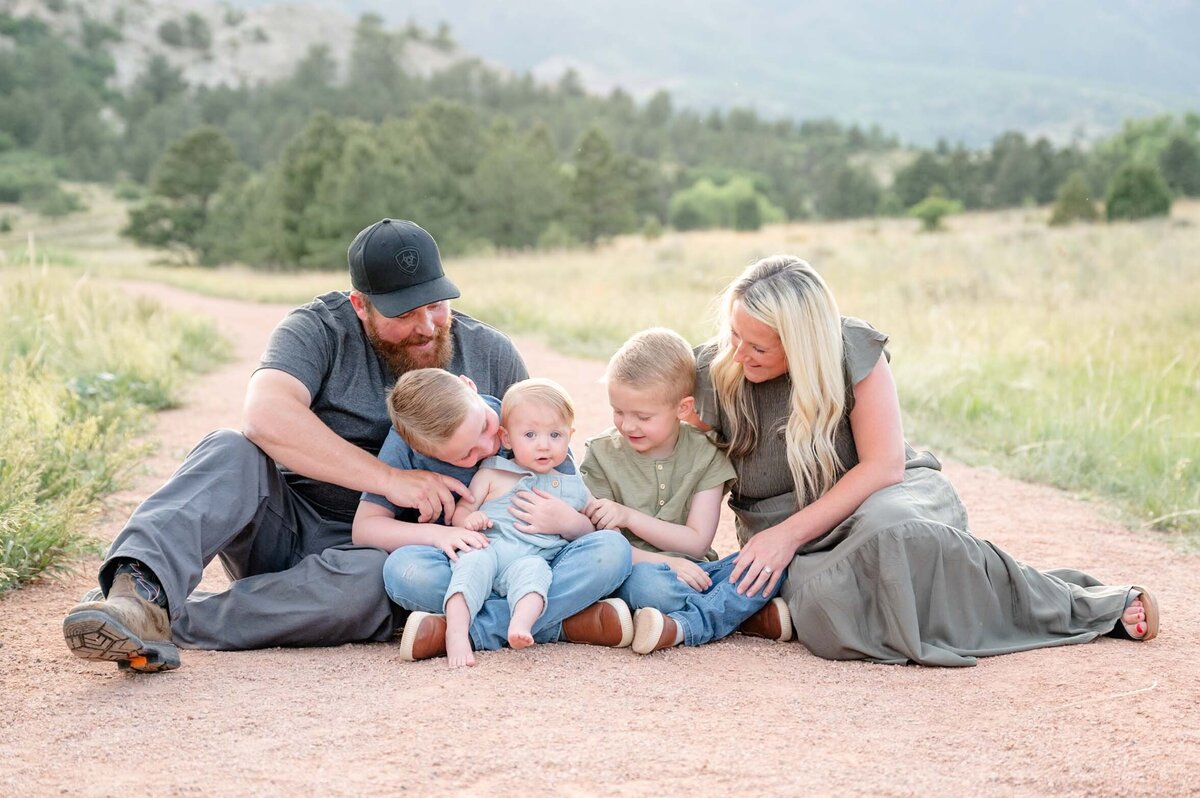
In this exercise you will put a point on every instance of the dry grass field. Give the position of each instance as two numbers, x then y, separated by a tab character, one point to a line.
1069	356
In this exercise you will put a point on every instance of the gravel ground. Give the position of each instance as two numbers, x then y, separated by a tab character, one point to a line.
1106	718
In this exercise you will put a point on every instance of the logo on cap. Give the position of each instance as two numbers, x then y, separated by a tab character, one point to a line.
408	259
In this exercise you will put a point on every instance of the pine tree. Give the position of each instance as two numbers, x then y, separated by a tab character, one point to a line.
518	189
1074	202
1138	192
1180	163
183	182
602	200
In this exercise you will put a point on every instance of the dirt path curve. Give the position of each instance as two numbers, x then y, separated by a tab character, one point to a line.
761	719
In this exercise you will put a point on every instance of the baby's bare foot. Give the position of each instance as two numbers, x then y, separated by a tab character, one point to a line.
459	653
519	638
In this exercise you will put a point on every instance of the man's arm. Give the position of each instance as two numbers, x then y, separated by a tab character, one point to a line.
277	418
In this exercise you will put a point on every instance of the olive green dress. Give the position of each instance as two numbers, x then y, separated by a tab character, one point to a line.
902	579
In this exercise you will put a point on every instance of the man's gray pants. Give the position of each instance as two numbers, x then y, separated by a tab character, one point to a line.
297	579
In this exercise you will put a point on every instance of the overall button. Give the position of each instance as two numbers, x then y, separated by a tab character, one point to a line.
554	483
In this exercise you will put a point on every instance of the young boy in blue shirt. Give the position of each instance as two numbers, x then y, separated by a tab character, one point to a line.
418	570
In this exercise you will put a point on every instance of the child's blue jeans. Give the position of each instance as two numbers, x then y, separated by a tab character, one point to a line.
707	616
586	570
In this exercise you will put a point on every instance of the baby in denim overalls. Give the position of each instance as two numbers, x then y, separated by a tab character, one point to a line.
535	423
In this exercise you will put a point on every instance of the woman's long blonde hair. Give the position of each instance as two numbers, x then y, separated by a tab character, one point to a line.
787	295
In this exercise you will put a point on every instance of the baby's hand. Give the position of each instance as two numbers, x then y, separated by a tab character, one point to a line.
456	539
477	521
607	514
689	573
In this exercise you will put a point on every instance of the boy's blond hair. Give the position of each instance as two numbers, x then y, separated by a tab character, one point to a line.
547	393
657	360
427	406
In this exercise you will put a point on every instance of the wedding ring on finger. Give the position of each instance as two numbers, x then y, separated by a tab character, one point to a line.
767	570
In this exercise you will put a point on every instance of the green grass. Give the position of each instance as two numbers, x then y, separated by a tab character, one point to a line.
82	368
1069	356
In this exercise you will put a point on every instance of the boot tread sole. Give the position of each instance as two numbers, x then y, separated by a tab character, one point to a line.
96	635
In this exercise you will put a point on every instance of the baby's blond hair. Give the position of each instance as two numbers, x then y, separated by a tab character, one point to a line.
547	393
657	360
427	406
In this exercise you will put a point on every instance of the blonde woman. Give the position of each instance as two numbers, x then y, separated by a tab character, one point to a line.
870	539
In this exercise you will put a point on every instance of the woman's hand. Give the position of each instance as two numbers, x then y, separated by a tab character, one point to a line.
456	539
763	561
689	573
607	514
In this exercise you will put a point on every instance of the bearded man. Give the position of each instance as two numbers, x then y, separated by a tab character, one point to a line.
275	500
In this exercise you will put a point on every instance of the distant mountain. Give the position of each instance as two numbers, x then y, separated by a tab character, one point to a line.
923	69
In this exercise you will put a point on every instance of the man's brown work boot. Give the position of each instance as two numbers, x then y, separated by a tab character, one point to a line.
123	628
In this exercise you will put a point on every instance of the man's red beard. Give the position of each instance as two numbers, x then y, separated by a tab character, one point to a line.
398	357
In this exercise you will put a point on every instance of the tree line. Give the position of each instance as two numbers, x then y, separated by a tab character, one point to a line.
275	174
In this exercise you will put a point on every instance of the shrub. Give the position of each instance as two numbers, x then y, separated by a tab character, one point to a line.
198	35
1138	192
746	214
25	176
737	204
171	33
129	191
557	236
932	209
59	203
1074	202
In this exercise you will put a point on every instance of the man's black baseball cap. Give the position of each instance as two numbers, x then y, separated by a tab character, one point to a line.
397	264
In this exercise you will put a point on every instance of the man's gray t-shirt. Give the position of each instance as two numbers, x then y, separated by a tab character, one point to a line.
323	345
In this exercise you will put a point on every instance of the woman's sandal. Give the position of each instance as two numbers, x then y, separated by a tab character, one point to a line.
1149	607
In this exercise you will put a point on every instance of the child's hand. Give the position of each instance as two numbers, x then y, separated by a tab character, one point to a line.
477	521
689	573
456	539
607	514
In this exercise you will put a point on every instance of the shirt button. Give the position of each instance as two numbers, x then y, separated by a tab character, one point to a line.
660	466
554	483
661	502
662	487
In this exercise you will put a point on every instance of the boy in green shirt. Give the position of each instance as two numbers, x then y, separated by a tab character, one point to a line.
661	481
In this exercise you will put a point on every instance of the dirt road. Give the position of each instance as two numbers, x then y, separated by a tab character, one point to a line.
740	716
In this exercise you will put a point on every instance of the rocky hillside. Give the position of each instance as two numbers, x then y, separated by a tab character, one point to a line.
215	43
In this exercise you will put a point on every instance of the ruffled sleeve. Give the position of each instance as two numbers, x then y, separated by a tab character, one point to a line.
863	345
